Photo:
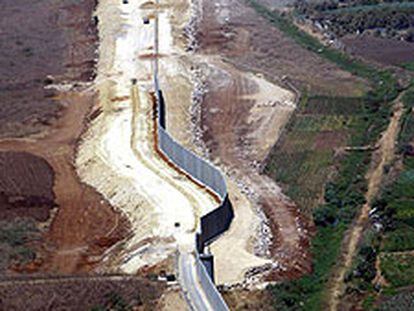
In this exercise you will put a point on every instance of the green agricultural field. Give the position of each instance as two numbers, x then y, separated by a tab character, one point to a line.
313	167
305	156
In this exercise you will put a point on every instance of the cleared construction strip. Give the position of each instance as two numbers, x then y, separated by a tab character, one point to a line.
117	154
202	295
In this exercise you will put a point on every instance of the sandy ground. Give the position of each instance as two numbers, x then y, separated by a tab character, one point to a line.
180	82
381	158
172	300
234	251
117	155
240	116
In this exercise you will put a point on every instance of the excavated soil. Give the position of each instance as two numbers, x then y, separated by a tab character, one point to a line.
232	29
243	115
44	45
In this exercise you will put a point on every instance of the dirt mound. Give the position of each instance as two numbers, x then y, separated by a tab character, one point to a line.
26	186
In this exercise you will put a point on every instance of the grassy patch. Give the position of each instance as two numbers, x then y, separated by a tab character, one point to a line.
15	237
301	162
408	66
306	292
406	135
400	239
398	269
334	106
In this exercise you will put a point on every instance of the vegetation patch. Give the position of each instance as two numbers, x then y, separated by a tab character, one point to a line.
15	238
406	135
408	66
398	268
400	239
388	19
340	180
393	217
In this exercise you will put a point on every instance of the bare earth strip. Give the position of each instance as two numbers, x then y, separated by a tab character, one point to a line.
117	155
234	252
241	115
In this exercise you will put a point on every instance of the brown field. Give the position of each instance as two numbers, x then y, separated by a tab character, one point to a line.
381	50
41	39
31	196
45	43
250	42
80	293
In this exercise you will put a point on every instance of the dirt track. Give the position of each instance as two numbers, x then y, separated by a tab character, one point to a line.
382	157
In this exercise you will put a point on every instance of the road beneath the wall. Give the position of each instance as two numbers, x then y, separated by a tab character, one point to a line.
119	156
199	290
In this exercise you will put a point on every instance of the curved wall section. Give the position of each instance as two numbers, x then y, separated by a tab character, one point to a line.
214	223
217	221
192	164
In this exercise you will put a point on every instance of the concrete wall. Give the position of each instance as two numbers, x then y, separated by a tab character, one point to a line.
217	221
198	168
214	223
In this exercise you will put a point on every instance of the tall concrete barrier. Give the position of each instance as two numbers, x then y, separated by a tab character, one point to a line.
210	289
192	164
218	220
215	222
